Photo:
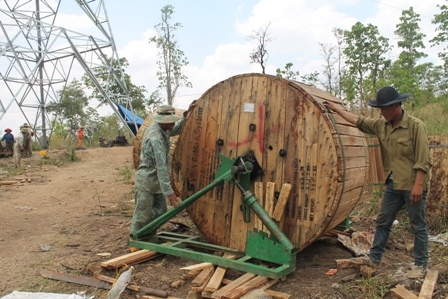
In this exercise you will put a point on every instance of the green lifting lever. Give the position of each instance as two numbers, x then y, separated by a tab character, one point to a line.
275	249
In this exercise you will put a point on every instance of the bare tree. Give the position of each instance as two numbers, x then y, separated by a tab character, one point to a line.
260	54
172	58
330	61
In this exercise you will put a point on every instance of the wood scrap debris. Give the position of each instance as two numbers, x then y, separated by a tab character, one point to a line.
210	283
399	291
135	288
18	181
281	202
130	259
331	272
429	284
200	282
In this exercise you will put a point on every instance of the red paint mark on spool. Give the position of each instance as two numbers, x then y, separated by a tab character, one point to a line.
258	136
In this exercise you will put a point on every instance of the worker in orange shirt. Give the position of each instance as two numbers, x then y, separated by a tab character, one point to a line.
80	136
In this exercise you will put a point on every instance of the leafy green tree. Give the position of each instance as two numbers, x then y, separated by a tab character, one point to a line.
155	100
287	73
405	72
365	58
114	89
310	79
172	58
411	39
348	85
70	109
441	21
260	54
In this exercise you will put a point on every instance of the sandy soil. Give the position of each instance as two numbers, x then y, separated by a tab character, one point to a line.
67	213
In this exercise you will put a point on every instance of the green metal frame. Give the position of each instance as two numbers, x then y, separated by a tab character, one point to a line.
273	257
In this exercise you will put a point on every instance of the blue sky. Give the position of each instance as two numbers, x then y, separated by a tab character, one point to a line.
213	36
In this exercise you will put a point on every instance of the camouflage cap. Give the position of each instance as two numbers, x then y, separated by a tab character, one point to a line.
165	114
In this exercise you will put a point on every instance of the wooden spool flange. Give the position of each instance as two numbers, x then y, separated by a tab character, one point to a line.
294	139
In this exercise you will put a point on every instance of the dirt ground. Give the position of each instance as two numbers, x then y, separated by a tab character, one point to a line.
67	213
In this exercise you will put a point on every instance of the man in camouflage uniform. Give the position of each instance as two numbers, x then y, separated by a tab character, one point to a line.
152	178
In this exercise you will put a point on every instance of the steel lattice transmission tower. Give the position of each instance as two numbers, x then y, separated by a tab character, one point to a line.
36	58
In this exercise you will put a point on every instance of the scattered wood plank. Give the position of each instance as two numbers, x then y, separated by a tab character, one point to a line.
245	287
281	202
155	297
269	201
349	263
226	281
269	284
193	295
203	278
145	290
193	273
8	182
215	281
200	266
217	278
130	259
234	284
429	284
277	295
205	294
259	196
264	287
401	292
269	198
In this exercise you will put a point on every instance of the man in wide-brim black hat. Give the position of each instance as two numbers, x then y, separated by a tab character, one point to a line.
405	153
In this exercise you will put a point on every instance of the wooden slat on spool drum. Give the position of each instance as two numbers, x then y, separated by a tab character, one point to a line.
142	132
325	162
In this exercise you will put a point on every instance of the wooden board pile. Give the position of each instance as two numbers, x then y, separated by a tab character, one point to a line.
18	181
208	280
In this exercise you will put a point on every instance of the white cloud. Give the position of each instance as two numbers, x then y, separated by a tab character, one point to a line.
75	22
296	30
227	61
142	58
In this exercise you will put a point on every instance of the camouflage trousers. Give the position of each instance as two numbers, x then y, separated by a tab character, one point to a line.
148	206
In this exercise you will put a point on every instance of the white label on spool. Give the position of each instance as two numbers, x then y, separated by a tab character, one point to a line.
249	107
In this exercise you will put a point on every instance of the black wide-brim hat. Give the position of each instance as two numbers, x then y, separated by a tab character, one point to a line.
387	96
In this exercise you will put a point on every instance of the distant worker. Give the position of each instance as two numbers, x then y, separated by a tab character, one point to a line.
405	154
18	148
8	137
80	136
152	178
27	142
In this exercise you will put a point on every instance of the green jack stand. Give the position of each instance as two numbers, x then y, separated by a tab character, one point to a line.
273	257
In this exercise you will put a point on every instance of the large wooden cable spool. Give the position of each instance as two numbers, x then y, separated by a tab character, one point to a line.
294	139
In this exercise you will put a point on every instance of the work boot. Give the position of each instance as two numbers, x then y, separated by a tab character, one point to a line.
366	260
417	272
